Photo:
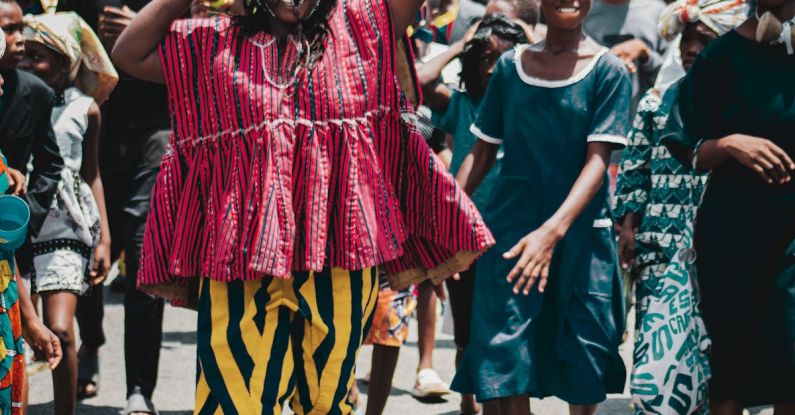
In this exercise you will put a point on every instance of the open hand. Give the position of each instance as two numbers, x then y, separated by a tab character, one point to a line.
762	156
44	343
16	182
113	21
535	256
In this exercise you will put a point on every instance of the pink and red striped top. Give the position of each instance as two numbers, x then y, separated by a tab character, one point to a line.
263	181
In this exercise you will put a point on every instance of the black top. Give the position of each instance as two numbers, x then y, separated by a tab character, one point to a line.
134	110
25	131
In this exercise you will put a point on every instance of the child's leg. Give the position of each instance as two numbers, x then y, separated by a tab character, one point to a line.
582	409
385	360
788	409
514	405
59	313
725	408
426	321
388	332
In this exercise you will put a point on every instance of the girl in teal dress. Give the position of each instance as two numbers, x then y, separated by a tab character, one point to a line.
548	312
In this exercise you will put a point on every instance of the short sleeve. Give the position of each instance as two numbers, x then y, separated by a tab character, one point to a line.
489	123
610	122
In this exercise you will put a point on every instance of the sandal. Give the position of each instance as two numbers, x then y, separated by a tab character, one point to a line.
138	404
87	375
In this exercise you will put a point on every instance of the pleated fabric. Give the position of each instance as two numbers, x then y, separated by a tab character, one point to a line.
268	343
266	179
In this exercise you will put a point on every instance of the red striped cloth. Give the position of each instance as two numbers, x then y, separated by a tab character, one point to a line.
261	181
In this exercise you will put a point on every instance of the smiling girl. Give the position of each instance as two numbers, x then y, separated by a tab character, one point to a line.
548	298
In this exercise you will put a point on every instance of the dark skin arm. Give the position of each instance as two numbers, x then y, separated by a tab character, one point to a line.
44	343
403	13
135	50
766	159
476	165
535	250
436	95
626	238
90	172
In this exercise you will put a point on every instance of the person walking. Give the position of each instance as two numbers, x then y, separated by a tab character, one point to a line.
550	312
292	175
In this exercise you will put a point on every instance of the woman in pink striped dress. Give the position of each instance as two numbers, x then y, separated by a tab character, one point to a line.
290	176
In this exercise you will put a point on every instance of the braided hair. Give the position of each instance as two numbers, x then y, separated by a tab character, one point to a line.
314	30
498	26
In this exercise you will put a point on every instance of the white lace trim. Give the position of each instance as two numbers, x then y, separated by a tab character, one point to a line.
291	122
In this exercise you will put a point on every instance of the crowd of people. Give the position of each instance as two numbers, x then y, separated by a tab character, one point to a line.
311	175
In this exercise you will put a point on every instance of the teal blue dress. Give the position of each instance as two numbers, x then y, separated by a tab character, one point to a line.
456	120
565	341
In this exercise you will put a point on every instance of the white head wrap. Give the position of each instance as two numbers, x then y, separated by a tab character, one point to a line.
720	16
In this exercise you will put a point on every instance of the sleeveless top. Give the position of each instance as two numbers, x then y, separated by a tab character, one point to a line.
265	181
70	122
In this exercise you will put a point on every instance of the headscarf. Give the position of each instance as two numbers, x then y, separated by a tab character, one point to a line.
671	70
2	45
90	68
720	16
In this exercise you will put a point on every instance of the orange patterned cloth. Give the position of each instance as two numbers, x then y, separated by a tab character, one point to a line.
12	357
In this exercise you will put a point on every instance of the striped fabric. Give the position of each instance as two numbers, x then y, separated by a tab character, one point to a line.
263	344
264	181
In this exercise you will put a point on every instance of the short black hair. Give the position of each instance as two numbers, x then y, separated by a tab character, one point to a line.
492	25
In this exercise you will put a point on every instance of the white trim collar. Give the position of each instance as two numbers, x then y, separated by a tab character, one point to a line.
546	83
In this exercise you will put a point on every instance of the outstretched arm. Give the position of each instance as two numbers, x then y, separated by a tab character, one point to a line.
403	14
535	250
436	94
136	49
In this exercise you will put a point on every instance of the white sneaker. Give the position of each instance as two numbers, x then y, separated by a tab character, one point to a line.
429	385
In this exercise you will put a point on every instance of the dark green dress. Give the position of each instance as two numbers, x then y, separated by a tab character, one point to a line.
565	341
745	229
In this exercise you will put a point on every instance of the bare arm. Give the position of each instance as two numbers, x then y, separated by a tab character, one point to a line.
403	14
43	342
476	165
535	250
762	156
90	173
436	94
136	49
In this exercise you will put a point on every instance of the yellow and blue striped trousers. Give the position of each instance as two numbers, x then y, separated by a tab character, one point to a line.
264	344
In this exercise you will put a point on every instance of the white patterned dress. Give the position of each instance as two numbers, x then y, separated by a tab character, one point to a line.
63	250
670	366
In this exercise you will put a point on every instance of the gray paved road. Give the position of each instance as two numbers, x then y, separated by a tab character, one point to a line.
174	394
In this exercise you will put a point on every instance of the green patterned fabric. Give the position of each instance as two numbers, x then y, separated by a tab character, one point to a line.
655	185
671	366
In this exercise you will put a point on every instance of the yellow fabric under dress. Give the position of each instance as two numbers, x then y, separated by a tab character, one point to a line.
263	344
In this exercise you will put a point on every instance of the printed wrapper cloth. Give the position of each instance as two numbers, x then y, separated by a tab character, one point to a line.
91	70
720	16
671	369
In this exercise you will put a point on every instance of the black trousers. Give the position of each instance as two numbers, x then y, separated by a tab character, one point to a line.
127	197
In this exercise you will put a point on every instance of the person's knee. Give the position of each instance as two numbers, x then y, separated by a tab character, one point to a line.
64	333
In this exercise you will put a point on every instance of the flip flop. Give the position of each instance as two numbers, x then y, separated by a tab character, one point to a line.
87	374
